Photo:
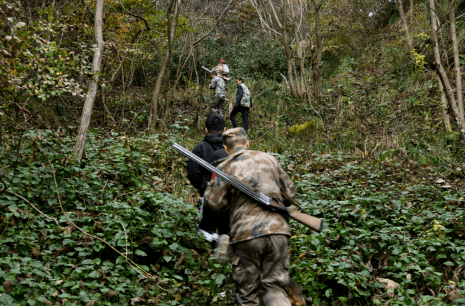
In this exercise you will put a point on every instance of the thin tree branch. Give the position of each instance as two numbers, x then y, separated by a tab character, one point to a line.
214	26
25	200
136	16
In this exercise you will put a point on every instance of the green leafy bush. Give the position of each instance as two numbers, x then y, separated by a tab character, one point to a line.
115	194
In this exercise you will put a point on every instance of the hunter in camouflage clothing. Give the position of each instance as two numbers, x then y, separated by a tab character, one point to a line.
222	69
217	102
259	236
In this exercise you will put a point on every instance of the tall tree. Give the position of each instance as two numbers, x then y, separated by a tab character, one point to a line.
317	50
442	73
92	91
279	25
400	6
172	14
458	71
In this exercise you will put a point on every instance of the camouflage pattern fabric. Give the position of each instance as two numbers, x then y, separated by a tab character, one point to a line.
245	101
221	70
261	171
217	105
218	85
261	269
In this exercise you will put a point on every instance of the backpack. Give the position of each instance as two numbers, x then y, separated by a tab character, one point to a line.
245	101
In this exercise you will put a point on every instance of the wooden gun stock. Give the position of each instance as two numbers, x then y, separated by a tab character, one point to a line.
313	223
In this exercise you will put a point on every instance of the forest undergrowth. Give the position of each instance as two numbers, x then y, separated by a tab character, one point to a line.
374	163
385	217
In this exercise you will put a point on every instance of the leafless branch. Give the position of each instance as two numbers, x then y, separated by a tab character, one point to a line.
25	200
214	26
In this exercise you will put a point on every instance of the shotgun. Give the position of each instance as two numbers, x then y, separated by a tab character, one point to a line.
209	71
313	223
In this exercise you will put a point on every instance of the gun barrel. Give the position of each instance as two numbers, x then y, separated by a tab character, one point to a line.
314	223
245	189
208	70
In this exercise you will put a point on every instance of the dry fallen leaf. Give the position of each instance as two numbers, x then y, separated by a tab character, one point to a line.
387	283
440	181
7	286
111	293
454	294
47	302
369	266
136	299
145	240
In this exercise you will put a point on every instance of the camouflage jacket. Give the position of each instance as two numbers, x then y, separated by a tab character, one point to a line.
222	71
218	85
248	219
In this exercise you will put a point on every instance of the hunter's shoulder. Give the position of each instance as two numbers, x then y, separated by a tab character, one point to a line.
260	157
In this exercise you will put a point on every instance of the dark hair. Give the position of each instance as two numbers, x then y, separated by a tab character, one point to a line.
239	79
215	123
214	72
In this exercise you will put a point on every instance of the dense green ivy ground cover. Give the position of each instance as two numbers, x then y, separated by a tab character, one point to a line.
382	220
112	194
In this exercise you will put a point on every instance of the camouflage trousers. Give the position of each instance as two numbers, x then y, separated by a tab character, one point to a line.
217	105
261	269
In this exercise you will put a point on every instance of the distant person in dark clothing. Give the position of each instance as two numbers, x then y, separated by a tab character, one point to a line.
242	105
199	177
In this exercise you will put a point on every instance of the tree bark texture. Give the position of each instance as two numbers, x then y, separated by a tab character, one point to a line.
316	59
442	73
458	72
173	8
412	4
445	115
288	50
400	6
92	91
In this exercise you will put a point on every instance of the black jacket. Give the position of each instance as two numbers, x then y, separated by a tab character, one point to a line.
219	154
239	94
197	175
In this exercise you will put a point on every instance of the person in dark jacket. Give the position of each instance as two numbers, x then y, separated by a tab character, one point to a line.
242	105
199	177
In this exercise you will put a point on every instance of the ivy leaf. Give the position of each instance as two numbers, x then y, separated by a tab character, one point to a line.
140	253
220	279
168	258
174	246
6	299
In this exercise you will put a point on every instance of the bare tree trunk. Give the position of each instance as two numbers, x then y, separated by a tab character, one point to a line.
287	50
92	92
412	3
458	72
400	6
442	73
316	59
445	115
173	8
